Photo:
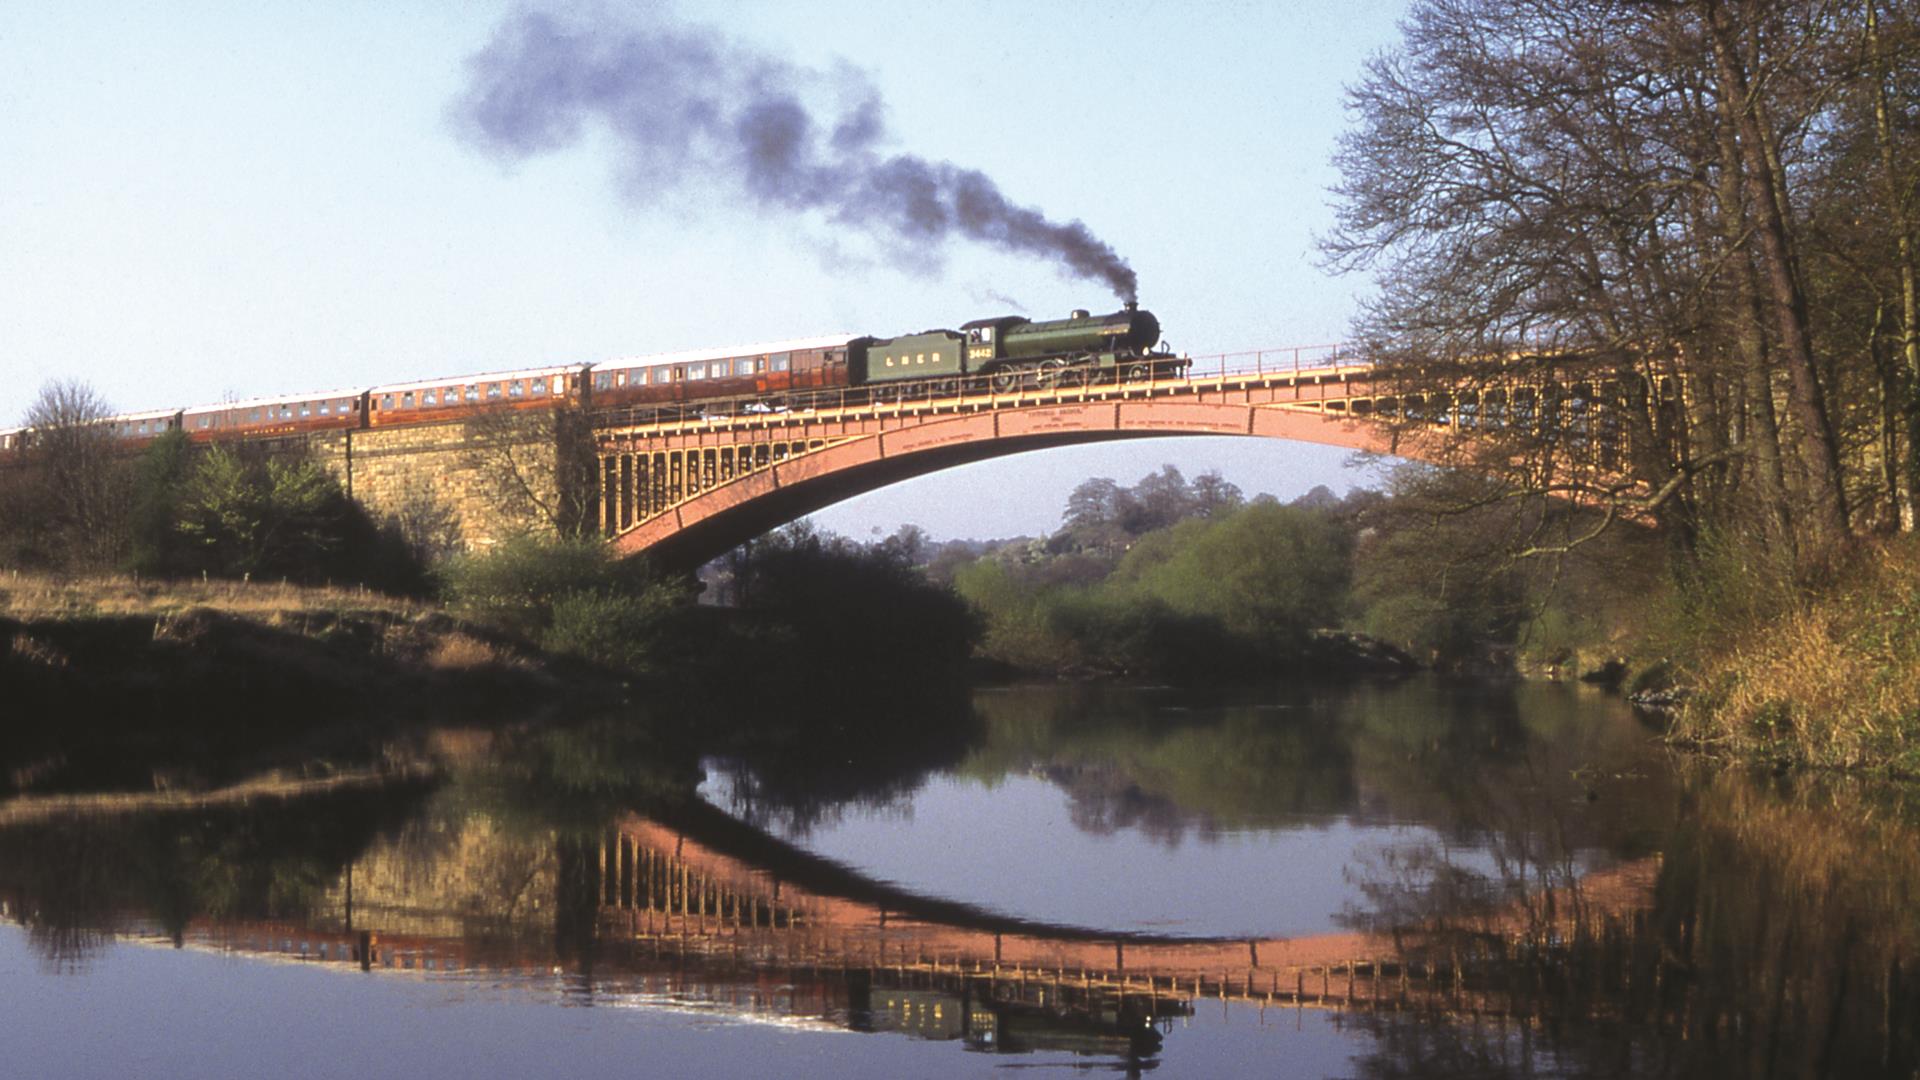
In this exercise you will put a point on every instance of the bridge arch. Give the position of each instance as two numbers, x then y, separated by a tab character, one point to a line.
715	519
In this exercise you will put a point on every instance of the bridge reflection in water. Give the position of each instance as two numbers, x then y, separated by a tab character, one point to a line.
1729	967
703	910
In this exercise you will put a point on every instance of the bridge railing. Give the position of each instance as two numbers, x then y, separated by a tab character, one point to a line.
1167	375
1286	361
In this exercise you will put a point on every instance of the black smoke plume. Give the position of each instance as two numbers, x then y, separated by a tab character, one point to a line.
689	107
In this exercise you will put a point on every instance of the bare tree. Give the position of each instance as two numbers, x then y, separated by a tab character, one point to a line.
536	467
1586	221
77	484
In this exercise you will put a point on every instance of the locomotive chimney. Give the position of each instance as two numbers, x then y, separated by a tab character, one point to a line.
1133	305
1077	313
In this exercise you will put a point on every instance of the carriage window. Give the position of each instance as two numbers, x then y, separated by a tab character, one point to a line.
306	407
326	408
286	412
515	388
603	380
143	429
493	391
429	397
539	386
696	371
386	401
780	361
473	393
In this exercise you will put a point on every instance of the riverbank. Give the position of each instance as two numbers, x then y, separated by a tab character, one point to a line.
119	683
1831	679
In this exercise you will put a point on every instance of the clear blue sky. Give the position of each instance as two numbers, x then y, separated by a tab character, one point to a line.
207	199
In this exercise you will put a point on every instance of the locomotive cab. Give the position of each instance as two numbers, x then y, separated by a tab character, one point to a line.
986	339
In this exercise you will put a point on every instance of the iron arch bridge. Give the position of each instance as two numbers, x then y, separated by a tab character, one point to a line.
685	485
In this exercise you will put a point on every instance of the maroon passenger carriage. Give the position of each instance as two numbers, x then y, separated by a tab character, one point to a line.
272	416
769	369
429	400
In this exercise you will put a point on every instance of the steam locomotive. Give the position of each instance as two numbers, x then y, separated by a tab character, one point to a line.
1002	355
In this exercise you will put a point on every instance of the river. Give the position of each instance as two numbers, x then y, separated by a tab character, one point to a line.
1409	880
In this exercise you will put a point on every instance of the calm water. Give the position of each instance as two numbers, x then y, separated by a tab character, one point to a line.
1411	880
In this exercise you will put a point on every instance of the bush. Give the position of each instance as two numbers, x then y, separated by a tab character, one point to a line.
517	584
1267	573
236	512
160	477
844	613
1017	627
620	630
571	596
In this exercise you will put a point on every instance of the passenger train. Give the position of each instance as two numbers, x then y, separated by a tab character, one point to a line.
1001	354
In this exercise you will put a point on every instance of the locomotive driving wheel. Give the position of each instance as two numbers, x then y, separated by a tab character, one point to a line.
1006	380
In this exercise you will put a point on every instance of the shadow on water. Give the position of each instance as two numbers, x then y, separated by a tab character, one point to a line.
1622	914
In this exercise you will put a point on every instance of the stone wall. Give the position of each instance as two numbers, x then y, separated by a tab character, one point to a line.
493	476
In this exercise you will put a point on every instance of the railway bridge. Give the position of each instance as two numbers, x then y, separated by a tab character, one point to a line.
686	484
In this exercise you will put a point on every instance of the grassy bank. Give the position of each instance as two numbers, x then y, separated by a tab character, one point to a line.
119	683
1831	679
127	684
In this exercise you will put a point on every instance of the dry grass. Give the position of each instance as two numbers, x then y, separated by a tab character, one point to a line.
463	652
27	596
1834	681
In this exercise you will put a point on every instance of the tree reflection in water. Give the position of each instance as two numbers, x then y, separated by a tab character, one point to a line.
1620	913
77	881
1774	935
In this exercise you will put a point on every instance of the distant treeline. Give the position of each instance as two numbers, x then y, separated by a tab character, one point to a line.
1172	578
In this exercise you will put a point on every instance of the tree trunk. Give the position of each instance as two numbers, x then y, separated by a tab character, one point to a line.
1764	190
1907	495
1756	375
